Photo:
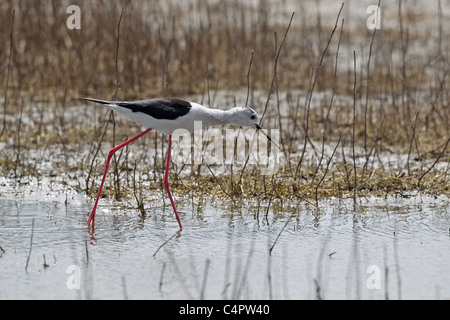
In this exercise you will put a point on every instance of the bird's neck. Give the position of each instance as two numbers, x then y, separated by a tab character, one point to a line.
217	117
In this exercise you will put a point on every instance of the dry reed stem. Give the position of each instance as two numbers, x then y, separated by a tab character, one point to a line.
11	44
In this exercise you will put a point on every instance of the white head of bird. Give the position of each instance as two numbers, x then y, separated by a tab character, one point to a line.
243	116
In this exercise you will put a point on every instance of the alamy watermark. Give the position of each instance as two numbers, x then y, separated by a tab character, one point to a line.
74	20
73	282
374	20
374	279
240	147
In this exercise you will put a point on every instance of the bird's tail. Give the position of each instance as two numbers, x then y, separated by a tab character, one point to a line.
97	100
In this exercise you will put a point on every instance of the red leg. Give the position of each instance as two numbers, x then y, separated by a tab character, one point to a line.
91	219
166	182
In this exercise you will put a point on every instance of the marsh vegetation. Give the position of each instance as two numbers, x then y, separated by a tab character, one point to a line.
359	111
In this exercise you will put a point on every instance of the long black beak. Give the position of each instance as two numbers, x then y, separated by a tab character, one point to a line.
260	129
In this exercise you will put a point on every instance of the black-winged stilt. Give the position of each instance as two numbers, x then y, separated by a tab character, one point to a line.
166	115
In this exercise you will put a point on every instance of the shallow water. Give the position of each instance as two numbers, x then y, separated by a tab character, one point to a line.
395	248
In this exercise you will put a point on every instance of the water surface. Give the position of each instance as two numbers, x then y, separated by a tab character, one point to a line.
393	248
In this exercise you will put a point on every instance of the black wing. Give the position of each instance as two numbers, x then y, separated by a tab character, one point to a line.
159	108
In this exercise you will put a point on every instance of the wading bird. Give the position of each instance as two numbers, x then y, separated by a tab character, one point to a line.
166	115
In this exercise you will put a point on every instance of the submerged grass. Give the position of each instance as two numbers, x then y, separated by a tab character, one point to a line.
391	105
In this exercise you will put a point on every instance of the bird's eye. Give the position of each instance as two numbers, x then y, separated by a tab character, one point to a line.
253	117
